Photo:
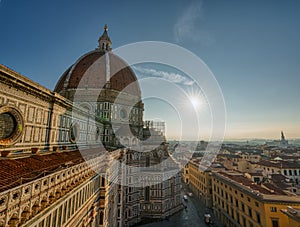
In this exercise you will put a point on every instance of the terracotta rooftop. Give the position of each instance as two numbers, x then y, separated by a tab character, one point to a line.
229	155
255	174
14	172
273	187
280	164
279	178
281	181
242	180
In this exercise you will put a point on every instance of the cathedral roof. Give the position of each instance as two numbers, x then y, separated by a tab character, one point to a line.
35	166
98	69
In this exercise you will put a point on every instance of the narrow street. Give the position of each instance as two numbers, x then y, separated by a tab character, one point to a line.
192	216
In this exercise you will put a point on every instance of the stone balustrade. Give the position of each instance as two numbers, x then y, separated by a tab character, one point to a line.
21	203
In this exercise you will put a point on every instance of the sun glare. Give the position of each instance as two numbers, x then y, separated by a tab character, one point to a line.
195	101
196	98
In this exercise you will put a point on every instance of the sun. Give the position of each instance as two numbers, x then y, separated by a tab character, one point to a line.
196	101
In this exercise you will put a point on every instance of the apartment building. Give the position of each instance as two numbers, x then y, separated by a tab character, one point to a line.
237	200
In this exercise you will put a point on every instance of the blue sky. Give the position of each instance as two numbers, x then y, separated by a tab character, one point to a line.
252	47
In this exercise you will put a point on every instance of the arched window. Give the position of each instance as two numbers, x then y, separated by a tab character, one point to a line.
102	182
147	161
101	218
147	193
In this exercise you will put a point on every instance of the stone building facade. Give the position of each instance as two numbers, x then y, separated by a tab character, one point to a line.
64	160
153	191
34	118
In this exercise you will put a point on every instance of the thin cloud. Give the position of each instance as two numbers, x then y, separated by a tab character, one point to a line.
187	27
173	77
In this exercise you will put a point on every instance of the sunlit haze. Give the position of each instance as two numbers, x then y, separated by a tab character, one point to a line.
252	48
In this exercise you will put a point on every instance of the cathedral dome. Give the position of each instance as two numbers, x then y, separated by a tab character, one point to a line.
99	69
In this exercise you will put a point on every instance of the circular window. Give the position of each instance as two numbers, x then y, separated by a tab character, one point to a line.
11	125
74	132
123	113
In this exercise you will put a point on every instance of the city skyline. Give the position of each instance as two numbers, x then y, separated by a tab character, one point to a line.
251	48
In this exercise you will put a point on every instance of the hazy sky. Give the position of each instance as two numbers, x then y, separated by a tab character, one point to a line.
252	47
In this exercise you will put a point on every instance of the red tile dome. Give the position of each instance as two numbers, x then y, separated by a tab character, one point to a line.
91	71
98	69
